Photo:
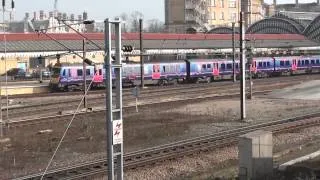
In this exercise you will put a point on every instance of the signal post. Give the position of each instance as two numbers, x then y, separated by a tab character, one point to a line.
114	114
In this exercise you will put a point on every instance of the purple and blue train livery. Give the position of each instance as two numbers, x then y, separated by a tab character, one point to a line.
190	70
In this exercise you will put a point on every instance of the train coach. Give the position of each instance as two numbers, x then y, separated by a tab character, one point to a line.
69	77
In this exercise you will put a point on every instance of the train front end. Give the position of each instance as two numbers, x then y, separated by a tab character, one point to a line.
55	84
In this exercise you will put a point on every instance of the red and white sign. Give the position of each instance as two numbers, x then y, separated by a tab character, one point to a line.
117	132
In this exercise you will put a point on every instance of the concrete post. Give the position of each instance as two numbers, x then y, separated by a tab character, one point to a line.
255	155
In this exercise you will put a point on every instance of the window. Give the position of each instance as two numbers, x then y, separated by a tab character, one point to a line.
260	64
281	63
264	64
317	61
88	72
268	64
208	66
312	62
100	71
229	66
232	4
222	16
307	62
213	15
203	66
64	72
237	66
299	62
302	62
287	63
213	3
164	69
223	66
79	72
233	17
221	3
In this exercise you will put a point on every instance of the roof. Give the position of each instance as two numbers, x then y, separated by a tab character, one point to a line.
41	43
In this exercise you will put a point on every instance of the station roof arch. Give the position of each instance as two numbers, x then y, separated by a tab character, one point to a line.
222	30
312	31
275	25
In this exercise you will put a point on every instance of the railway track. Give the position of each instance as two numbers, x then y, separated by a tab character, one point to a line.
164	88
51	108
68	114
175	150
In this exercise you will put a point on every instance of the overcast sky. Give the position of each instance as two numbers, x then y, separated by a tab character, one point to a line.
101	9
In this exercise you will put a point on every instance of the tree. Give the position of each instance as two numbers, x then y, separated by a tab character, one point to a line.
134	20
124	17
155	26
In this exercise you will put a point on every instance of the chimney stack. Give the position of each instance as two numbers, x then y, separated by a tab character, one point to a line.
27	15
59	15
85	15
35	15
41	14
64	16
297	3
274	3
72	17
80	17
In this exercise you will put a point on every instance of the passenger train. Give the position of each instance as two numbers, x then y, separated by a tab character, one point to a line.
69	77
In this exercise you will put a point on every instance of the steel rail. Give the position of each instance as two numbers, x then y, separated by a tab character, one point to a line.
178	149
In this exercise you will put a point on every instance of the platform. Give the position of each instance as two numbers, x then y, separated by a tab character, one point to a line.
25	87
305	91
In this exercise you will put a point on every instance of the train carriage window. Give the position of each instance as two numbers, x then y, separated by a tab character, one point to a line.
299	63
223	66
229	66
88	72
64	72
287	63
317	61
208	66
260	64
164	68
281	63
264	64
203	66
79	72
302	62
268	64
100	71
312	62
307	62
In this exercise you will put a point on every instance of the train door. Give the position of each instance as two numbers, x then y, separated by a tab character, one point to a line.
253	67
156	71
215	69
294	65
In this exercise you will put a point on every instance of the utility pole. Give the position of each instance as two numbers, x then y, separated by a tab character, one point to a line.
234	53
114	115
141	53
242	68
84	48
250	65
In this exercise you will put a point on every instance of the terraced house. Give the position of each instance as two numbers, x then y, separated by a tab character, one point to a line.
203	15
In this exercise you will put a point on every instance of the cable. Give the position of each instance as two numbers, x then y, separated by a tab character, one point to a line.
65	132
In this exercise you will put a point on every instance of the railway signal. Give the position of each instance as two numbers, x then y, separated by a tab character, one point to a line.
127	48
88	61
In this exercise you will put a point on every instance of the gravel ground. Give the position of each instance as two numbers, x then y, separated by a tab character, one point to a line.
220	163
29	151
